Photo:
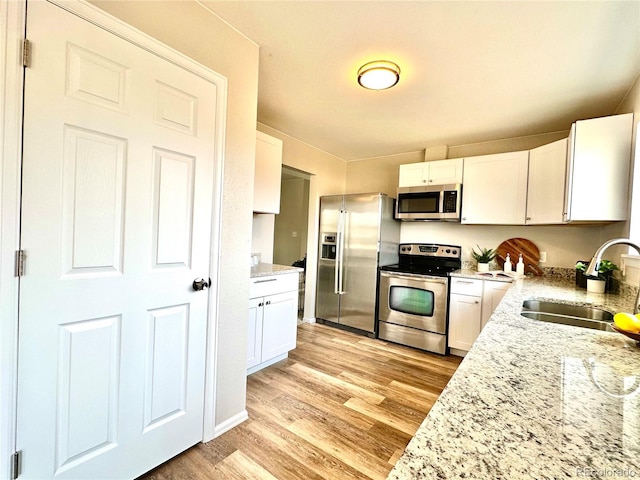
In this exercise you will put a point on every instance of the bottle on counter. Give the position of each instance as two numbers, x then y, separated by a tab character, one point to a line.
507	264
520	266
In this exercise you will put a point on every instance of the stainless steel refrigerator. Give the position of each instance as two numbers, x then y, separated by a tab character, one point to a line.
357	235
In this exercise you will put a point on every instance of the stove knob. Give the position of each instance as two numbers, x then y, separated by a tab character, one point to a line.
455	252
448	250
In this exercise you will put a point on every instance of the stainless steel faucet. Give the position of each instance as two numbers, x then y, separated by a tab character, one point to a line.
594	264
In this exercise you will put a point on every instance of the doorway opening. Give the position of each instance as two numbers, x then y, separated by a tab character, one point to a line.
291	225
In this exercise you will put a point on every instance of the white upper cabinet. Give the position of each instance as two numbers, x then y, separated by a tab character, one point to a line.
413	175
445	171
545	193
268	171
431	173
494	189
599	162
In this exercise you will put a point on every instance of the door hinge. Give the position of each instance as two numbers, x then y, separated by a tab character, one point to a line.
15	465
26	53
19	263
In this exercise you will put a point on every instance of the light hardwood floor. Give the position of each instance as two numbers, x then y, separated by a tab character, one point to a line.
342	406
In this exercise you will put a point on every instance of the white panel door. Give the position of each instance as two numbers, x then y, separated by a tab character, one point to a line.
116	225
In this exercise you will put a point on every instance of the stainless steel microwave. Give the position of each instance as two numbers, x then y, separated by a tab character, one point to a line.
429	202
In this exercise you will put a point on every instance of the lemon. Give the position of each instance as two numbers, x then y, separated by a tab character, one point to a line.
627	321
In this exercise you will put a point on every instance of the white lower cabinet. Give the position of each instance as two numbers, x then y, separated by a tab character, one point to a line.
492	293
471	303
273	320
465	314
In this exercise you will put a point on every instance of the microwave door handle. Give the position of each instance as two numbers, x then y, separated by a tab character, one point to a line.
441	204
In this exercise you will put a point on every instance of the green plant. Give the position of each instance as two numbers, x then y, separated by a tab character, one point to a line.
485	255
605	269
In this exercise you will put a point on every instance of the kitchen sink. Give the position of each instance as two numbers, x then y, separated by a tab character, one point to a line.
575	315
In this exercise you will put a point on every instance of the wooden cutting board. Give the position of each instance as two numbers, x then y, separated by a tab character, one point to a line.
516	246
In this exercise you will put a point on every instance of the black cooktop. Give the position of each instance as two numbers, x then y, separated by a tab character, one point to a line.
427	259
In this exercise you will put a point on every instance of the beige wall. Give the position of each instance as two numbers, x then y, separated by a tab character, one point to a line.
262	235
379	174
189	28
631	104
328	176
290	239
631	228
505	145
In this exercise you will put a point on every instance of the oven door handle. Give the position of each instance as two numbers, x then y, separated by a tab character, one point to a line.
416	276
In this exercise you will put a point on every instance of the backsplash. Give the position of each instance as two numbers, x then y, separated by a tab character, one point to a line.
626	290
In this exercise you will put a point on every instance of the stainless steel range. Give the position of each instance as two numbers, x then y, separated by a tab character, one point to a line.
413	297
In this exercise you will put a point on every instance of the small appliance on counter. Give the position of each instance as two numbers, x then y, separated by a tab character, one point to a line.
413	297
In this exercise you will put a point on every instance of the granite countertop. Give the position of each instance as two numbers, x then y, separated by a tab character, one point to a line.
496	275
536	400
266	269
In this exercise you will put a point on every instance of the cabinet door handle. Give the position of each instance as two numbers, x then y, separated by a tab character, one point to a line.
267	280
269	302
465	282
261	304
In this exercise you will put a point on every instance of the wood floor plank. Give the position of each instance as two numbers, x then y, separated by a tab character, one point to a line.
342	406
323	465
238	466
273	457
404	394
382	415
331	407
336	382
335	445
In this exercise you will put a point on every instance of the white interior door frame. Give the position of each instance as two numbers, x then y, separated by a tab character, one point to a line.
12	25
12	21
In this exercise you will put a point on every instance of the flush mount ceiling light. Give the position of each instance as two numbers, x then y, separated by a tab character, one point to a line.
379	75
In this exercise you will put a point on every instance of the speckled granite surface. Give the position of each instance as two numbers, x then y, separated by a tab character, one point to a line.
472	273
266	269
535	400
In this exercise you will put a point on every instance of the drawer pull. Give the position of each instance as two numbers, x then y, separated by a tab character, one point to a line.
265	281
466	282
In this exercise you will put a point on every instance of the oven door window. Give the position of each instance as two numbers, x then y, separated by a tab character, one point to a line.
414	301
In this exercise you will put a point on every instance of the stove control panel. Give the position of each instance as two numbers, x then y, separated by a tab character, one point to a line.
430	250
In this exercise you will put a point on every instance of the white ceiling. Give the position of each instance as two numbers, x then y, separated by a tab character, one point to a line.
472	71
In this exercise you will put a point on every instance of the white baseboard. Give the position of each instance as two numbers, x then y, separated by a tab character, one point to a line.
268	363
457	352
230	423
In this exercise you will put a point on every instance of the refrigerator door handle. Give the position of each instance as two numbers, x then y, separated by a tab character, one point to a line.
336	279
343	228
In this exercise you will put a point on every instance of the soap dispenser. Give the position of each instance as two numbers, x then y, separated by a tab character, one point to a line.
520	266
507	264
